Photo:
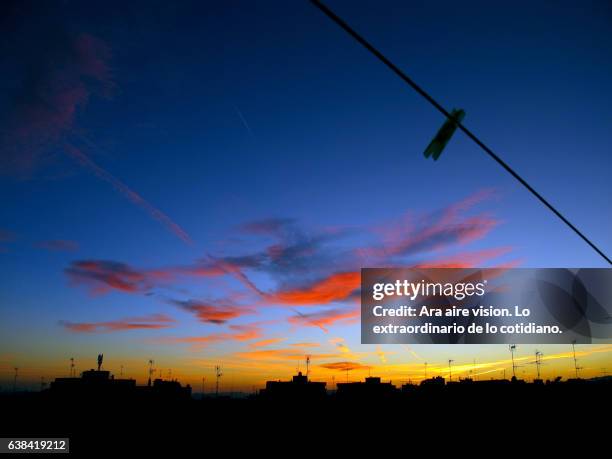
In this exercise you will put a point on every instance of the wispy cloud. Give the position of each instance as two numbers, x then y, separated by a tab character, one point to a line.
344	366
381	355
280	355
150	322
61	73
326	318
267	342
104	275
240	333
314	273
341	345
58	245
306	344
210	312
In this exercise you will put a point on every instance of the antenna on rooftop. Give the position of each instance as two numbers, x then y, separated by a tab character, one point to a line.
538	361
576	367
512	348
218	375
150	371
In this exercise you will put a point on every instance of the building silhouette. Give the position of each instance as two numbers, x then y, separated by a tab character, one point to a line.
298	388
101	384
372	387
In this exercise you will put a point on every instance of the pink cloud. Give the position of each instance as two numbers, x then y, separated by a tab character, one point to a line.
150	322
213	313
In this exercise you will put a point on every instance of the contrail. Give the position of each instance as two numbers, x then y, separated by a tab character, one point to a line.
244	121
308	320
122	188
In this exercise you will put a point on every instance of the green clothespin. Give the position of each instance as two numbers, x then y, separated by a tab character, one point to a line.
437	145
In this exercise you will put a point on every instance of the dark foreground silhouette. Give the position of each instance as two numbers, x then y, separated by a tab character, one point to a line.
100	413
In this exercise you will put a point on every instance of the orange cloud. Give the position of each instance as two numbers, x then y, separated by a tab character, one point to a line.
336	287
339	343
381	355
306	344
267	342
240	333
344	366
280	354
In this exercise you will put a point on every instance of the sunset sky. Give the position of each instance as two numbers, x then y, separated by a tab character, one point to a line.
200	184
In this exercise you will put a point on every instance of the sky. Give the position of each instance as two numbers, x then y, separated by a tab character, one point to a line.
199	183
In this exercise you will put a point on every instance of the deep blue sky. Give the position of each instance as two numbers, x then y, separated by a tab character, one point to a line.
227	112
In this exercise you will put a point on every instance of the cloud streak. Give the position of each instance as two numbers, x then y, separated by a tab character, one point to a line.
344	366
128	193
326	318
212	313
150	322
239	333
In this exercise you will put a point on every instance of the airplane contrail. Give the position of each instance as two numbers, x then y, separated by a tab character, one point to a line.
244	121
122	188
308	320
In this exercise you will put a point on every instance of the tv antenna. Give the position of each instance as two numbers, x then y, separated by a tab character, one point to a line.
538	361
512	348
218	375
576	367
151	370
